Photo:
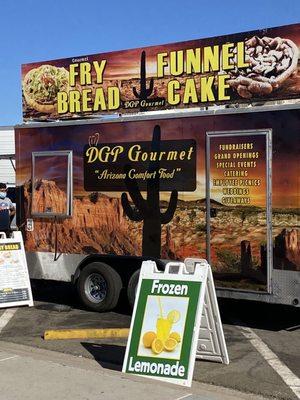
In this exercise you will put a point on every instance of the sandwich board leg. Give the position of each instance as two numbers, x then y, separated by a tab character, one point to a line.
211	341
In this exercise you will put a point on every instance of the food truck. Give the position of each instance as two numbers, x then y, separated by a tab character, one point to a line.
182	150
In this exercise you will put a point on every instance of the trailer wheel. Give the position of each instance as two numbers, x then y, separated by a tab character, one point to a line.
99	286
132	287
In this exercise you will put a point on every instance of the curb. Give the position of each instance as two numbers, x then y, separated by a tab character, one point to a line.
62	334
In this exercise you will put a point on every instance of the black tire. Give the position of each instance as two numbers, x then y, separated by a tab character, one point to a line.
132	286
99	275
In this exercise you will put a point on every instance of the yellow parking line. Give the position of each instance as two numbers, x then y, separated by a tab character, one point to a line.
86	333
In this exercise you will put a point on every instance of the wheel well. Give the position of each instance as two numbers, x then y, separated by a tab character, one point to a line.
124	265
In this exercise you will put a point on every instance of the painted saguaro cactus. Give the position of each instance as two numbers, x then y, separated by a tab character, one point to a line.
144	92
148	210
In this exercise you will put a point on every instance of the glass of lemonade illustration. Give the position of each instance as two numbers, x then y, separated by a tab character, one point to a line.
163	328
164	325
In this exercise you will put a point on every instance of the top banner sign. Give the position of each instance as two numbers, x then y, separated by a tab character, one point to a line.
254	66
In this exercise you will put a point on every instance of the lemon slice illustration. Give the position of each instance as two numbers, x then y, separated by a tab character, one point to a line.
157	346
170	344
173	316
176	336
148	339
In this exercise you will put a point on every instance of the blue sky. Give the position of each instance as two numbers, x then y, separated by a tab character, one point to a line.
36	30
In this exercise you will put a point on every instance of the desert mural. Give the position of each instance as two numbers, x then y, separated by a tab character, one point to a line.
147	215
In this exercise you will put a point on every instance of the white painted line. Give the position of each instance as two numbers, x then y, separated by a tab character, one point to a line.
8	358
290	379
184	397
293	328
6	317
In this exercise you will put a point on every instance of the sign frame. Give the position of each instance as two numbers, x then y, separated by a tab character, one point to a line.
211	340
150	271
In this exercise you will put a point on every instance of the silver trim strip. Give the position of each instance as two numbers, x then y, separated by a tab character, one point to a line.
168	114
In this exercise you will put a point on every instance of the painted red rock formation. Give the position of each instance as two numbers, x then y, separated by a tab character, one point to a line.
287	249
97	226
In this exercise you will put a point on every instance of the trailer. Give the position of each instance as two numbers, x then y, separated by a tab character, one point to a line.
180	150
98	198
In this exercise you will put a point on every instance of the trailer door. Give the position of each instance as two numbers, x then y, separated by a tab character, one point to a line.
238	182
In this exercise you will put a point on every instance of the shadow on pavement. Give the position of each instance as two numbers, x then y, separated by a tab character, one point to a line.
60	296
65	294
107	355
273	317
55	292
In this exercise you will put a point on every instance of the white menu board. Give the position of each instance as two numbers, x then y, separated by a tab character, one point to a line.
15	289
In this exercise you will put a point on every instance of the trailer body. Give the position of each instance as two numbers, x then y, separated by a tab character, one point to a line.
218	184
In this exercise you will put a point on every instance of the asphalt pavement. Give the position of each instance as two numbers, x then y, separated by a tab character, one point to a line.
249	371
33	374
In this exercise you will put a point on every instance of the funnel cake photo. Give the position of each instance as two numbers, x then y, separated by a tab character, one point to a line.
271	62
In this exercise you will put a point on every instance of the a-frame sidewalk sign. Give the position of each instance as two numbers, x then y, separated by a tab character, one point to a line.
15	289
175	320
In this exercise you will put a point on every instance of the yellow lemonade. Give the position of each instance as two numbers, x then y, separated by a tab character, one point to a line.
163	328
